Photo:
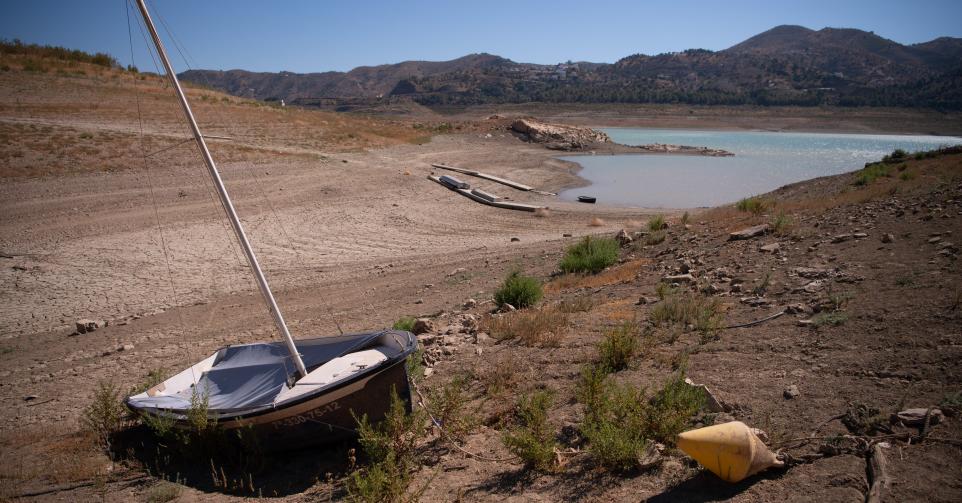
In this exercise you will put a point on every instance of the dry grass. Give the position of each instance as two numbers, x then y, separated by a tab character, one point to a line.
596	222
38	457
624	273
532	327
618	310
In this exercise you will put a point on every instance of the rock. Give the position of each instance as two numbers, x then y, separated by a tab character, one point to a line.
934	240
558	136
798	309
841	238
422	326
623	238
419	301
508	308
679	278
645	300
712	289
770	248
457	271
888	238
482	338
85	326
916	417
470	303
515	240
711	403
30	398
566	235
791	392
860	235
125	347
749	232
469	322
428	371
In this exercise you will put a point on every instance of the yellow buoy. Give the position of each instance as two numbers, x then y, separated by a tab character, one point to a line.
730	450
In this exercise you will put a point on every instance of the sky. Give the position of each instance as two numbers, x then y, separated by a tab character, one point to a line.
323	35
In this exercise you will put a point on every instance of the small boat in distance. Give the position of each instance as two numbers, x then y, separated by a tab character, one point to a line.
291	394
587	199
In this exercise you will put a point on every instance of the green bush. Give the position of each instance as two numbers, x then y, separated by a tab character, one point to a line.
405	323
518	290
533	439
871	172
106	414
687	309
619	346
448	404
591	255
389	447
754	205
655	238
670	410
657	223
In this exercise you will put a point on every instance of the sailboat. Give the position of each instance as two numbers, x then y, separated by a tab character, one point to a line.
291	393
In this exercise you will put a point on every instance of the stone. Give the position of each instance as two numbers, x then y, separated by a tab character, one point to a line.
623	238
841	238
566	235
457	271
770	248
860	235
422	326
125	347
558	136
645	300
888	238
916	417
482	338
30	398
428	371
934	240
791	392
85	326
515	240
749	232
419	301
508	307
679	278
470	303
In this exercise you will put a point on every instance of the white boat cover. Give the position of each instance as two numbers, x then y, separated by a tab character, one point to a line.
248	377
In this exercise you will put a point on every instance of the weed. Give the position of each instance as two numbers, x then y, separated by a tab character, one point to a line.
684	219
449	409
657	223
837	300
519	290
755	205
871	172
590	255
579	304
415	364
105	415
907	175
619	346
862	419
762	287
539	327
655	238
904	281
951	403
198	415
164	492
389	447
671	408
405	323
500	377
832	319
781	224
663	290
533	439
703	314
620	419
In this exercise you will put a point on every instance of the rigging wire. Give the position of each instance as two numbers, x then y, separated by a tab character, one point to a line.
153	199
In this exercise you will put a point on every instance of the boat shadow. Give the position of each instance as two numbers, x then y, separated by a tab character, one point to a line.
225	464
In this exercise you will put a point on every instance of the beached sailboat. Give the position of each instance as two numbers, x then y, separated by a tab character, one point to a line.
292	393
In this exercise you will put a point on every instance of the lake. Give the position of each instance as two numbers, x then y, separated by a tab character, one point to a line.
763	162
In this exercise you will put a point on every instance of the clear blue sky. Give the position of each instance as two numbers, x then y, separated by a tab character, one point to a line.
307	36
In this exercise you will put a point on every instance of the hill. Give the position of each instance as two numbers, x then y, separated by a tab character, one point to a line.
787	65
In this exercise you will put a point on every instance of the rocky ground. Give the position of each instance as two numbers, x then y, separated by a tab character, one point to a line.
866	276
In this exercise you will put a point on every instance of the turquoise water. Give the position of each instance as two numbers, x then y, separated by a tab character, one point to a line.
763	162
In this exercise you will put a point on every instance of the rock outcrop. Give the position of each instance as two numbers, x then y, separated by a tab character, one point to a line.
558	136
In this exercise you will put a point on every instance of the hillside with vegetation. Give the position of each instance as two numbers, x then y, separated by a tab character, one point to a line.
787	65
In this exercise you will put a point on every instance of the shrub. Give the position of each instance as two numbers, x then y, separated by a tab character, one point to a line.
781	224
405	323
538	327
164	492
684	219
591	255
519	290
655	238
832	319
907	175
671	409
871	172
619	346
754	205
389	447
657	223
687	309
620	419
533	439
105	415
448	405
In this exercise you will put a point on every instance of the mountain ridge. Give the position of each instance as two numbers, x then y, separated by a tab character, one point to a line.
786	65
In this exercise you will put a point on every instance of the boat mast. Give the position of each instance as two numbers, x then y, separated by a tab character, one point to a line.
224	198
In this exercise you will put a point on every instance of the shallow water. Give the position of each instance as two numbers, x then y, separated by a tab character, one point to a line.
763	162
